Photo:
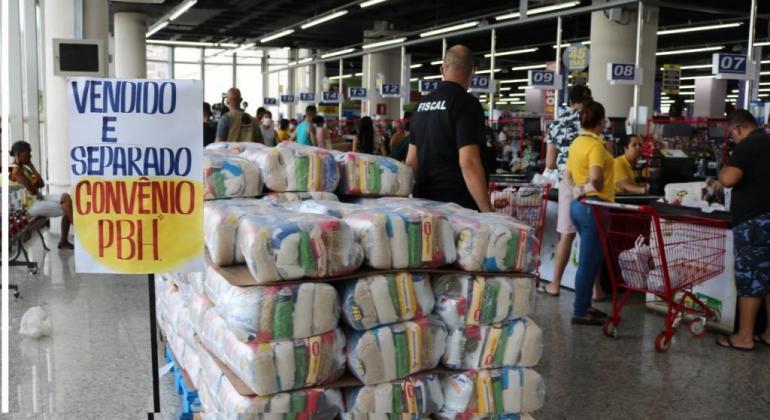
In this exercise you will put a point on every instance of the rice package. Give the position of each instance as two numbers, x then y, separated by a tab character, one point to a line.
228	176
290	166
223	401
514	343
364	174
275	366
328	208
463	300
418	395
522	203
291	197
379	300
396	351
508	390
269	313
221	220
403	238
287	246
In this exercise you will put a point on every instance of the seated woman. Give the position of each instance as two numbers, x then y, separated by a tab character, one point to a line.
25	174
625	179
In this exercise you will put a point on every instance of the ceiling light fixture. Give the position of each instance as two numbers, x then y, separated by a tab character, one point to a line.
371	3
191	43
305	60
156	28
762	44
487	71
450	29
532	67
694	66
690	50
432	77
182	8
415	66
699	28
336	53
324	19
512	52
384	43
567	45
697	77
414	79
276	36
539	10
504	89
514	81
436	63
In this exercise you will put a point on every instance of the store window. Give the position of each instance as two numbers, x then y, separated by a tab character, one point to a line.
158	52
248	78
158	70
187	71
187	54
218	79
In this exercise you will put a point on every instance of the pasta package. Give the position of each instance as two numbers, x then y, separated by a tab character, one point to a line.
275	366
226	402
403	238
293	197
287	246
270	313
374	301
463	300
364	174
292	167
496	391
227	176
325	207
220	227
514	343
396	351
419	395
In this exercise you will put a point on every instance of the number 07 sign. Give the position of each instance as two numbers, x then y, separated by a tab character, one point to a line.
732	66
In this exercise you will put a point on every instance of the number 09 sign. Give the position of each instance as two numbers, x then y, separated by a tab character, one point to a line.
624	74
544	79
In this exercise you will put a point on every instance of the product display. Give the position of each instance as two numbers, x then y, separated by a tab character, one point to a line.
290	166
286	246
328	208
522	202
228	176
396	351
290	197
221	219
419	395
374	301
505	390
364	174
267	368
514	343
400	238
463	300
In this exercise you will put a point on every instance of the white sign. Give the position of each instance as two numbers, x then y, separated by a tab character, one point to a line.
307	97
271	102
480	83
287	99
390	90
544	79
624	74
357	93
136	165
732	66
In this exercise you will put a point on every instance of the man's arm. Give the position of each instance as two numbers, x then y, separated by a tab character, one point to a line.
311	133
411	158
730	176
223	126
474	176
550	156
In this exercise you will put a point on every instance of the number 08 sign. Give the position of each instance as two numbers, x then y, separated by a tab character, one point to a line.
624	74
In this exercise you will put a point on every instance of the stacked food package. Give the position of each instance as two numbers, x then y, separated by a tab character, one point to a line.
260	330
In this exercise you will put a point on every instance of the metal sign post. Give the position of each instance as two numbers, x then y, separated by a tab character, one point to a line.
750	51
637	61
558	67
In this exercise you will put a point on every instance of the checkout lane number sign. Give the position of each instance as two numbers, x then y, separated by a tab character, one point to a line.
390	90
428	86
357	93
544	79
623	74
732	66
331	96
307	97
480	83
271	102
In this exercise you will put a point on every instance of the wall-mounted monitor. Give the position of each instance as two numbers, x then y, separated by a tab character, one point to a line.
78	57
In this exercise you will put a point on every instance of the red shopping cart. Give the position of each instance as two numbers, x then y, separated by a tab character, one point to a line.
527	203
663	255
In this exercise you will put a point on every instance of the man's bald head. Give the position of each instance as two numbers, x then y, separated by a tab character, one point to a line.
233	99
458	65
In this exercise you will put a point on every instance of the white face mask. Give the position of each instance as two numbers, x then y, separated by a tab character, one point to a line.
267	122
292	126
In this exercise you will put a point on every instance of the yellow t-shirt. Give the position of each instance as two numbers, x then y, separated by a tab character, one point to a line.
623	170
283	135
586	151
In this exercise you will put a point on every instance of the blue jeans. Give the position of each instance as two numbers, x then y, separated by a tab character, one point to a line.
591	256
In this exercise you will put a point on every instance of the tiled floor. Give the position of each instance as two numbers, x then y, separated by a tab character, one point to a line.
96	363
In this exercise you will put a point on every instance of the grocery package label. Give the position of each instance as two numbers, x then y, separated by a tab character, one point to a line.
136	169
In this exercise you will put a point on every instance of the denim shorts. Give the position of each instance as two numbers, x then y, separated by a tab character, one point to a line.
751	240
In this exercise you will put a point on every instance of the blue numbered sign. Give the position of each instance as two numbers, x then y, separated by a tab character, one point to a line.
732	66
307	97
543	79
357	93
331	96
271	101
427	86
623	74
390	90
480	83
287	99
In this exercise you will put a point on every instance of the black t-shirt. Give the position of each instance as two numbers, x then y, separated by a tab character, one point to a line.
209	133
444	121
751	196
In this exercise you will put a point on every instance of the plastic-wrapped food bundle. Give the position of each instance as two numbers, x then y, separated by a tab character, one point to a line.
328	208
364	174
198	305
418	394
290	197
505	390
406	237
227	176
286	246
373	301
268	368
220	227
398	202
269	313
479	300
523	203
216	285
396	351
494	243
295	167
225	402
233	147
514	343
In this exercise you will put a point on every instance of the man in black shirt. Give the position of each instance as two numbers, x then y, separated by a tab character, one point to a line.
749	174
447	137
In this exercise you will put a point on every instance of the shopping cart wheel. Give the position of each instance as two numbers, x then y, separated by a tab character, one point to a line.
610	329
697	327
662	343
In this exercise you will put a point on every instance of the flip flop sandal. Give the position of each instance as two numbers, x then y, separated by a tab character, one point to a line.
590	321
760	339
728	344
596	313
542	290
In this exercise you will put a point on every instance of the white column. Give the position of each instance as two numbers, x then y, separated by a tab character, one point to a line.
291	89
378	68
96	24
31	85
710	98
130	45
12	69
319	77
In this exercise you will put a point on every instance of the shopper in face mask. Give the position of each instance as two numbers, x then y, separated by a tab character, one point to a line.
267	128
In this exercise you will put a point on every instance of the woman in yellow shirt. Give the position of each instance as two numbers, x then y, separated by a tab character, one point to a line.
625	179
590	169
283	130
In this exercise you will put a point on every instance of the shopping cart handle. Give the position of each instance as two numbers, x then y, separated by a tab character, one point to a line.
633	207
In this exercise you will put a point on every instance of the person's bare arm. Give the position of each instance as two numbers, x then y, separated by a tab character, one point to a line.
596	177
474	176
311	133
550	156
411	157
626	186
18	176
729	176
355	144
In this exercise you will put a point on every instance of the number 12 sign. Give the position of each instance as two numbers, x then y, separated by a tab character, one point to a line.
624	74
543	79
732	66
